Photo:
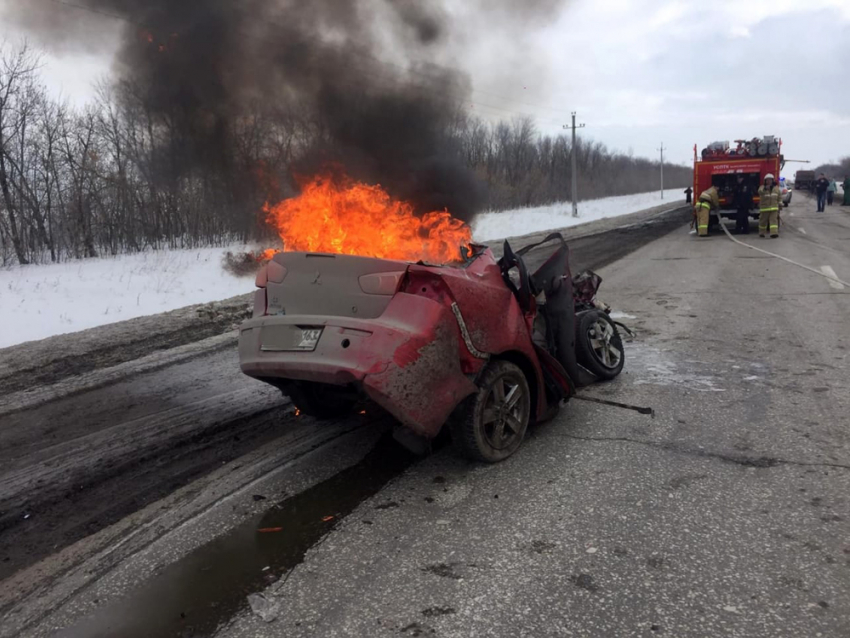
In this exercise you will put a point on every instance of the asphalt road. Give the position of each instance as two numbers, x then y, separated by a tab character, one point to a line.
725	514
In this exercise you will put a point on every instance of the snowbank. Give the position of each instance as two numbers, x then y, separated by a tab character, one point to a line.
522	221
39	301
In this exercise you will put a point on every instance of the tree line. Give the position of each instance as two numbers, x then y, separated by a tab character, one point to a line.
837	171
113	177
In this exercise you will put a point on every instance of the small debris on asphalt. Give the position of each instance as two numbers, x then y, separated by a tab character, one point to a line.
327	518
592	550
266	609
540	547
258	497
386	506
585	581
433	612
444	570
266	530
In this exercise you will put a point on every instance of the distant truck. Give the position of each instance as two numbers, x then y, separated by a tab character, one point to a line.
719	165
804	181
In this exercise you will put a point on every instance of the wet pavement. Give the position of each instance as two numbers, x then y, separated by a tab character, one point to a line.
197	594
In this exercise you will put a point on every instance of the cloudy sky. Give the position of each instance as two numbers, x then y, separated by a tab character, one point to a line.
640	72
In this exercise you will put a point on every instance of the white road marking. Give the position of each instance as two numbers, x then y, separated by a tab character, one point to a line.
829	272
803	230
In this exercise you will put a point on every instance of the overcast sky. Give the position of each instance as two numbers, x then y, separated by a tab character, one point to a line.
642	72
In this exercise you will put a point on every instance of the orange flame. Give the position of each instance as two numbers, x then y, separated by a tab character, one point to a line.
339	215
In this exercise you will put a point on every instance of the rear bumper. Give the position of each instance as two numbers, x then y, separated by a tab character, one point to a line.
407	360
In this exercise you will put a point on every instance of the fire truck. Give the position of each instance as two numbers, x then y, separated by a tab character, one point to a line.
719	164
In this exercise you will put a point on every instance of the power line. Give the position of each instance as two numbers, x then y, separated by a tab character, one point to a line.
354	51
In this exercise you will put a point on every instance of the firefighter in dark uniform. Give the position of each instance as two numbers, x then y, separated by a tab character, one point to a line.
743	202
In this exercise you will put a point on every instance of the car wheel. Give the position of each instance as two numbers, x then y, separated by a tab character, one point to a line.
490	425
599	347
319	400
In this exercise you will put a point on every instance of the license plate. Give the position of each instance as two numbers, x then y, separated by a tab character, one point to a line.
309	338
288	338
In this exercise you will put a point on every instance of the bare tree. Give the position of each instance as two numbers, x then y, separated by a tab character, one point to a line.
18	66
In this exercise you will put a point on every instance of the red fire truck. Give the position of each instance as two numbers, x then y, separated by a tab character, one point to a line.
719	165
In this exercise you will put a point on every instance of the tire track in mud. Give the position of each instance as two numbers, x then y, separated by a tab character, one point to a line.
71	489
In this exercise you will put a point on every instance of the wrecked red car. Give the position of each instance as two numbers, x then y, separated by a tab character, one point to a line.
482	345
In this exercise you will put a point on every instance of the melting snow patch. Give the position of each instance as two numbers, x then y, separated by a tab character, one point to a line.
656	367
266	609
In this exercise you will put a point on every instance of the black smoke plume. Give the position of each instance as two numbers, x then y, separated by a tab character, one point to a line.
371	75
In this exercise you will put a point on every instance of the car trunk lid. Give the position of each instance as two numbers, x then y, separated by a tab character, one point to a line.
332	285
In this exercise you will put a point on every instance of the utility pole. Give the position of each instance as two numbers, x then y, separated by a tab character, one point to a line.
574	188
662	149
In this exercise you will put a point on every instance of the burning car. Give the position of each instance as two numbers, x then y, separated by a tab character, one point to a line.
480	344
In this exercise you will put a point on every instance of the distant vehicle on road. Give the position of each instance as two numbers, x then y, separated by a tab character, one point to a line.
481	344
805	181
786	194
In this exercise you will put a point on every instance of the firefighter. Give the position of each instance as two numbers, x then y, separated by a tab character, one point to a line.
743	202
708	201
770	201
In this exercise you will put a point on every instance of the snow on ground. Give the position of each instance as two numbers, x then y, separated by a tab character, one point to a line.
522	221
42	300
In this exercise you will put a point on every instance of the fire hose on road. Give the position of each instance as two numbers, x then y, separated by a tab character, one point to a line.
790	261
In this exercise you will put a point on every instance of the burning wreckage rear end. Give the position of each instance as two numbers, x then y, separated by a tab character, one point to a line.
429	344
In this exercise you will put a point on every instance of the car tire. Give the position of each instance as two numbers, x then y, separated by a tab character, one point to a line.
490	425
319	400
599	347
